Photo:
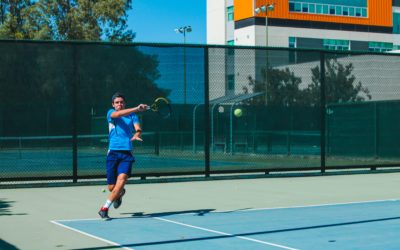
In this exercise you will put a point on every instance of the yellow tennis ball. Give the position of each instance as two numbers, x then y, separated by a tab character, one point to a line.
238	112
103	190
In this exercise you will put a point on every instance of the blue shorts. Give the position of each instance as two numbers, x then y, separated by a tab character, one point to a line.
118	162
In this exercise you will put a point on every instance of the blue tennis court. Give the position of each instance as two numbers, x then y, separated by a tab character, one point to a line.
362	225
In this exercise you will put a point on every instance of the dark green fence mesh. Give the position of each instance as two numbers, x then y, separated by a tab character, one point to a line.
368	129
361	121
55	97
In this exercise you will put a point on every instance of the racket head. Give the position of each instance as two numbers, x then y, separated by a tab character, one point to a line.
162	106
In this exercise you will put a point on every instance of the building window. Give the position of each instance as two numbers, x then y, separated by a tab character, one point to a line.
297	7
364	12
330	7
351	11
305	8
292	42
325	9
380	46
229	12
333	44
291	6
358	11
332	10
312	8
339	10
318	8
345	11
396	23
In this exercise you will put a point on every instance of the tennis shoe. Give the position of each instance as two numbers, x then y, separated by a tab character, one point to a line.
117	203
104	213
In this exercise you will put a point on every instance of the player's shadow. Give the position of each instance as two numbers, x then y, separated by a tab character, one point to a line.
5	208
7	246
198	212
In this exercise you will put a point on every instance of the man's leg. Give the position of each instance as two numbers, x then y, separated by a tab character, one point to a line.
116	189
119	166
112	166
115	195
124	172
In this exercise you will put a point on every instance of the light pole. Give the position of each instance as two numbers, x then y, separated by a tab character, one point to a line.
183	30
265	8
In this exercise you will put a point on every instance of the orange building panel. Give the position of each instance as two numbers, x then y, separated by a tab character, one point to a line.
379	13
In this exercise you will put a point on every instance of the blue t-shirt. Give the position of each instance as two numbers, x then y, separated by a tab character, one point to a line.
120	131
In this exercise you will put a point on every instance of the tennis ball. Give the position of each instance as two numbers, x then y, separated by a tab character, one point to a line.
238	112
103	190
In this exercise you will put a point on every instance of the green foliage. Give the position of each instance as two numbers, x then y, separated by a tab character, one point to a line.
65	20
340	84
104	70
46	72
282	87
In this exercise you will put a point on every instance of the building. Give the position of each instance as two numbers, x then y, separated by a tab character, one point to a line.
331	24
360	25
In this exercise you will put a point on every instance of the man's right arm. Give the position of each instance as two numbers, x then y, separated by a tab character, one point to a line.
128	111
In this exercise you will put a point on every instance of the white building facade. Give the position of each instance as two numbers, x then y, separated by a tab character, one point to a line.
358	25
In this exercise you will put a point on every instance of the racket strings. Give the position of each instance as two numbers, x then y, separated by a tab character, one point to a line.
163	108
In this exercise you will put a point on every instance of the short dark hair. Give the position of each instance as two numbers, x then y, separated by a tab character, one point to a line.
117	94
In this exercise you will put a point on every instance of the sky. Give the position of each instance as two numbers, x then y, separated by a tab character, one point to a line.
155	20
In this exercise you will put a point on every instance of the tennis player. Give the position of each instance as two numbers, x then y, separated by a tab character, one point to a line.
123	127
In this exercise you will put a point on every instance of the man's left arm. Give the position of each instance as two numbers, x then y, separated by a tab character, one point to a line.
138	134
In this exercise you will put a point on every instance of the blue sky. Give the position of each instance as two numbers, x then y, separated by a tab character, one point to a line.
155	20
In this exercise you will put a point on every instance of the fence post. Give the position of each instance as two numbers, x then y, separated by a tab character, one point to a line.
75	84
157	143
323	111
376	132
206	114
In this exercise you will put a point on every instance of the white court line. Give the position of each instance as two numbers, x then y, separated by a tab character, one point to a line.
87	219
226	234
305	206
92	236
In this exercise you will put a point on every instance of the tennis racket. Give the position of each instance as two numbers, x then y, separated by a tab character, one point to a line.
162	106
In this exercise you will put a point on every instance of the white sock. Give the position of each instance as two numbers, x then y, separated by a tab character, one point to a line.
108	204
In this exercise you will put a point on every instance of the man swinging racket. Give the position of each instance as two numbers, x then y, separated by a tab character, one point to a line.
121	125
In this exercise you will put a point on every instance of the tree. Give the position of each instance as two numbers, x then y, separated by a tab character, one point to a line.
340	84
50	75
65	20
12	18
281	88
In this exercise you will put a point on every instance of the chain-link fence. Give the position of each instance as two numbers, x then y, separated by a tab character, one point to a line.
302	110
